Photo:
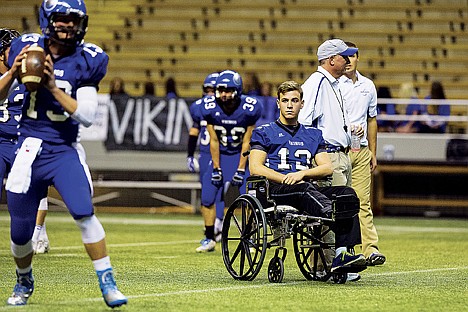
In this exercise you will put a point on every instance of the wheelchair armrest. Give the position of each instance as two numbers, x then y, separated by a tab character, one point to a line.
256	178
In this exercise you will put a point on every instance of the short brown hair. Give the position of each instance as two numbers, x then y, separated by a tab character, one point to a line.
287	86
352	45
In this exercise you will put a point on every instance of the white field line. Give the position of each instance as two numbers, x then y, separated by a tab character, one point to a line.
146	221
222	289
413	229
121	220
64	248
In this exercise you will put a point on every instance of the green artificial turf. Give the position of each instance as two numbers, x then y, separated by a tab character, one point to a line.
156	266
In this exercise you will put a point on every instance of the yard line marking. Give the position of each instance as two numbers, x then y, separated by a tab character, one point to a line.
417	271
195	291
396	228
121	220
143	244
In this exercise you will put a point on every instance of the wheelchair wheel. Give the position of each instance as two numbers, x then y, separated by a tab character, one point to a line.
244	238
276	270
339	278
308	251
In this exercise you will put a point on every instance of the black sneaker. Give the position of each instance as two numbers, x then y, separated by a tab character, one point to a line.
345	259
376	259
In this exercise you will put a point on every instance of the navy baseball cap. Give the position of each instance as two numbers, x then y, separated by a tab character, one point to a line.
334	47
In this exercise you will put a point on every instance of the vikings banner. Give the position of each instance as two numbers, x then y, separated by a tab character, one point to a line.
142	123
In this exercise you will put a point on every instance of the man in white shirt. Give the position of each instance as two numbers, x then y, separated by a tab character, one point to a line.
360	99
324	106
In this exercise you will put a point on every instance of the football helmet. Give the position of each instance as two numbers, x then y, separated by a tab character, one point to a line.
210	82
229	79
52	9
6	37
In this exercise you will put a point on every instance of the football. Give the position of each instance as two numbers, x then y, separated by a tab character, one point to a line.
32	68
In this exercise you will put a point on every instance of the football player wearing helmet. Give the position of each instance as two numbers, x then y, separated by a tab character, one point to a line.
48	149
230	117
10	109
10	114
201	164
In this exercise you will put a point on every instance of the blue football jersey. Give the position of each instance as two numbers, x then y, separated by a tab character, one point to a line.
43	117
270	111
200	124
10	113
231	128
288	150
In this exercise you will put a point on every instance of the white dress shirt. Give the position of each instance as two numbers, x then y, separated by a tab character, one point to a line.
324	108
360	100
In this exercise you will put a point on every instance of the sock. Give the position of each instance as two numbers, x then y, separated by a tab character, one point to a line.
43	231
102	264
25	270
37	232
340	250
219	225
209	232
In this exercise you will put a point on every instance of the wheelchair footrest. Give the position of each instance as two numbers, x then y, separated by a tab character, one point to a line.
281	208
350	269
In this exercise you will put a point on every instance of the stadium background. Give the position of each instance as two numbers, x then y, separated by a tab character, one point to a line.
401	41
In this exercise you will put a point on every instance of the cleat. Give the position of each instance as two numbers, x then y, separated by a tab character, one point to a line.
111	294
23	289
376	259
41	246
218	228
207	245
353	277
348	261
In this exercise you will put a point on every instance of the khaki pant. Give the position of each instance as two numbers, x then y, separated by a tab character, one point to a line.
361	183
342	171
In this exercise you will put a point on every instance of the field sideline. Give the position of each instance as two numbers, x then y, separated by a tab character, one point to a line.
157	268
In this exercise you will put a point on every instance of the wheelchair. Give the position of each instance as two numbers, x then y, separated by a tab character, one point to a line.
254	223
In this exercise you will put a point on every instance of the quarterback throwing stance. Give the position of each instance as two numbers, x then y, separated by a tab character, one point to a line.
283	151
47	144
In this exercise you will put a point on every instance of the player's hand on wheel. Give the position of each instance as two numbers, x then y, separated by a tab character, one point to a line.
192	164
217	177
238	178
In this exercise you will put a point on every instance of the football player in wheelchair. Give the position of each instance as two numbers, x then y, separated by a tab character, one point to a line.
282	152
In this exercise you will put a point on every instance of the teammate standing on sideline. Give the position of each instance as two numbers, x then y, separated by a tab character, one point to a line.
324	106
360	98
199	129
10	114
48	134
230	117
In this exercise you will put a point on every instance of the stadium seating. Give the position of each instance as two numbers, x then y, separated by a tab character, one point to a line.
418	41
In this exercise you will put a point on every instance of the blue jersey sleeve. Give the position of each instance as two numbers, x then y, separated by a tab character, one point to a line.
260	138
208	109
196	113
93	67
252	108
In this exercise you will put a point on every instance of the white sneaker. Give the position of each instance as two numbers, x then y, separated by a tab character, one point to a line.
353	277
207	245
41	246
